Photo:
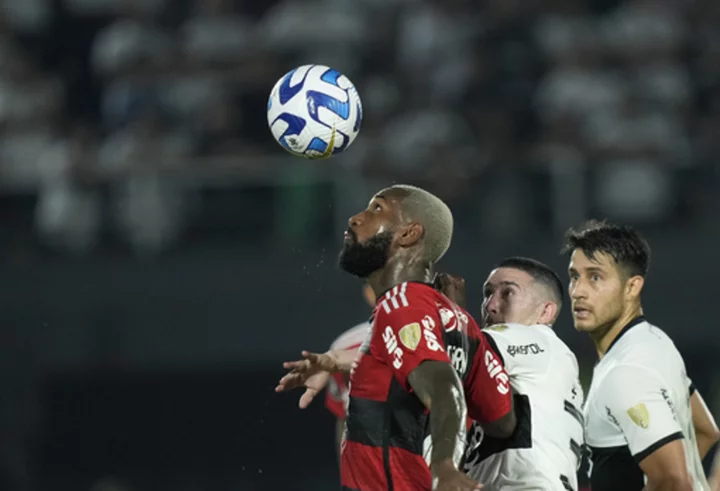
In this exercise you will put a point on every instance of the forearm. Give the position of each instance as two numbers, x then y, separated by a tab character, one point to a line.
706	430
669	483
447	425
439	388
705	443
715	473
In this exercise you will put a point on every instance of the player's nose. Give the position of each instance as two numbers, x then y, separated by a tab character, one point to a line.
577	291
491	304
355	220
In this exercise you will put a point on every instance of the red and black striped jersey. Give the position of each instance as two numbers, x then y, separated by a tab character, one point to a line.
386	423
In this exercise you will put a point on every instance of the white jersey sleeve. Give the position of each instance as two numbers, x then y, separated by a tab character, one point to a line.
639	404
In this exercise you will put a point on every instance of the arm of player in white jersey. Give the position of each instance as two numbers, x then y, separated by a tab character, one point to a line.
635	399
715	473
706	430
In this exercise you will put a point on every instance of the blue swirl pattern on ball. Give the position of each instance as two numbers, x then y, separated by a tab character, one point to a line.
318	145
287	91
295	125
315	98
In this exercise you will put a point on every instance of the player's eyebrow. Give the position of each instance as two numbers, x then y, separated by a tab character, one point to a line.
590	269
487	286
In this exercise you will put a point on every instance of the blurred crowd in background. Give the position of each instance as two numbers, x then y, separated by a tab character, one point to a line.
150	100
149	223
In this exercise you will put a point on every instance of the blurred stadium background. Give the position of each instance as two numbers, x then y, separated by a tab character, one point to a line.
161	255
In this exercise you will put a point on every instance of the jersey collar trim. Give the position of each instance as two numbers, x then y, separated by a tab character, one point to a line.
380	297
637	320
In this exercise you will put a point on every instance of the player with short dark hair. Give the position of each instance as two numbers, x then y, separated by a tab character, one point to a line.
540	281
642	410
522	298
416	367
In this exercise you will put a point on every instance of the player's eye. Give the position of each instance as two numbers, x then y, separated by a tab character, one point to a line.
595	277
377	207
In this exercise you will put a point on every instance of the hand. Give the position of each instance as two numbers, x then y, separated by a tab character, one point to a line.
313	373
449	478
451	286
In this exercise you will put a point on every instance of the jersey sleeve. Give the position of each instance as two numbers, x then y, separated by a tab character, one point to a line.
639	403
408	336
335	395
691	386
487	390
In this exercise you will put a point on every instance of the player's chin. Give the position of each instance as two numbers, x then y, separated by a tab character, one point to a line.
584	325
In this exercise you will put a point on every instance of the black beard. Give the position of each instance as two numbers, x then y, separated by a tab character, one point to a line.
362	260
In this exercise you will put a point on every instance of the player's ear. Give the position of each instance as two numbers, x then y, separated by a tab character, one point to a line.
410	234
548	313
634	286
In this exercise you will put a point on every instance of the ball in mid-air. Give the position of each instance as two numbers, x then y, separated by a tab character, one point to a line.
314	111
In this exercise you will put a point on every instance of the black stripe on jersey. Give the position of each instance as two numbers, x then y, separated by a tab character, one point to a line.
637	320
574	412
566	483
576	449
521	437
345	488
614	469
639	457
400	422
468	345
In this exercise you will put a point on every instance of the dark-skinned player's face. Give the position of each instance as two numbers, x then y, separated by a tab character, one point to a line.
368	239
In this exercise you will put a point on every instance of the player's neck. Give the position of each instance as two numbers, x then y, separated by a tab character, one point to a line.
397	272
604	341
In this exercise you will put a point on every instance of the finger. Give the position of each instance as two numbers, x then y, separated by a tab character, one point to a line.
296	365
307	398
291	380
310	357
286	384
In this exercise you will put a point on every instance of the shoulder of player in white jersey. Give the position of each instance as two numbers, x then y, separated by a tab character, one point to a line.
513	329
642	343
352	337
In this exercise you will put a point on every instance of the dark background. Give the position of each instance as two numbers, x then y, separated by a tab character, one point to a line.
161	255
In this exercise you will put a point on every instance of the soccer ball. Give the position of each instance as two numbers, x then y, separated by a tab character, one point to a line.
314	111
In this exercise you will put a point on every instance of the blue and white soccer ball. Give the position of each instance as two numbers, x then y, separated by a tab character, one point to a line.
314	111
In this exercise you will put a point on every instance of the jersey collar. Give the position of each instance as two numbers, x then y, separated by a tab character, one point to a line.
381	297
637	320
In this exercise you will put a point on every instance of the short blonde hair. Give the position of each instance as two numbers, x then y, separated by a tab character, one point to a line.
432	213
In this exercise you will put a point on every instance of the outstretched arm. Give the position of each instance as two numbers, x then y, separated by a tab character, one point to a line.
314	371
